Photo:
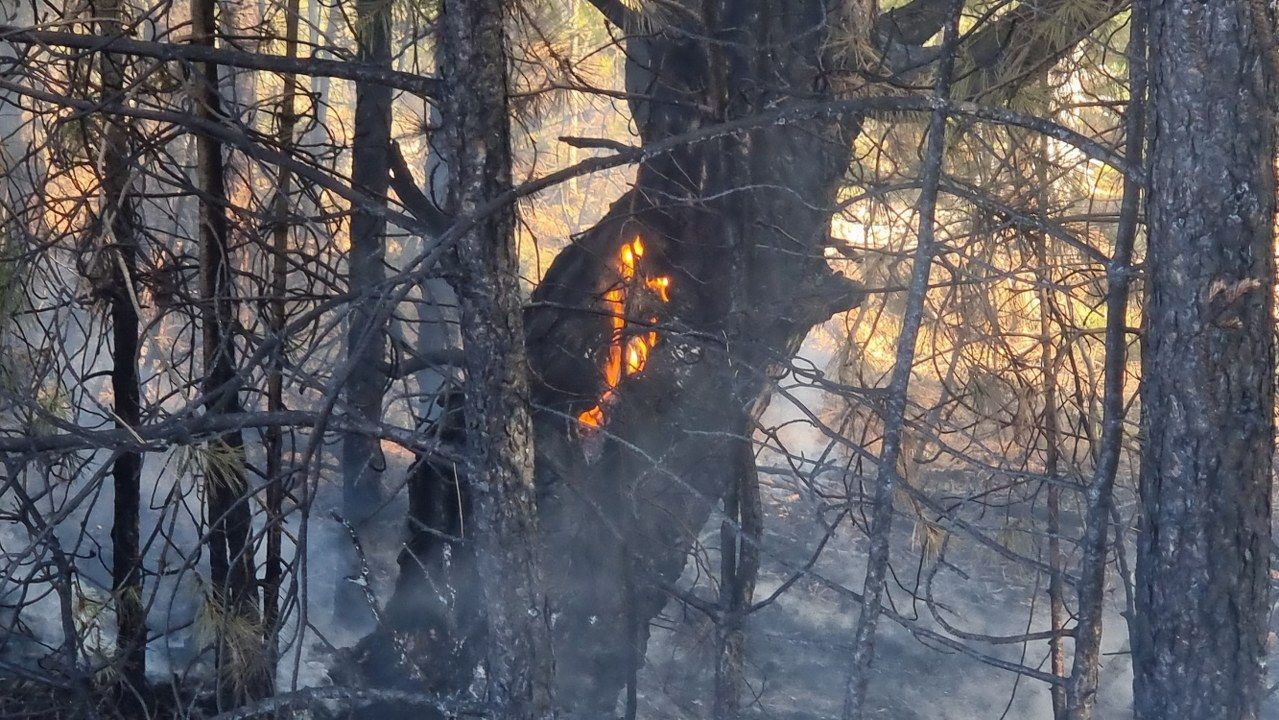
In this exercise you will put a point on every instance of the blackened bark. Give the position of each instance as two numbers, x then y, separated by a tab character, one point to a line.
499	429
276	482
434	626
1208	368
362	460
741	533
239	659
737	225
1081	690
1049	426
119	254
366	339
887	472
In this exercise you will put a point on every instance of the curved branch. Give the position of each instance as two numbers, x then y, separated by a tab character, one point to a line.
617	13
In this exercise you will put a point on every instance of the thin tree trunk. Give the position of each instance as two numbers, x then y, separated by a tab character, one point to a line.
894	418
740	536
1208	368
234	590
366	342
1051	431
362	459
1099	497
499	432
273	571
119	254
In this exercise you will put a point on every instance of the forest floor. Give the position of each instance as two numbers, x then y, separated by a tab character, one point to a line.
799	646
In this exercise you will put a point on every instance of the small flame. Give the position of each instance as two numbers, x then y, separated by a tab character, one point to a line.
636	354
661	286
619	364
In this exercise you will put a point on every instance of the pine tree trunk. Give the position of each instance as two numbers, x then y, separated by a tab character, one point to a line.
499	431
362	459
119	255
239	660
273	566
1081	687
737	226
366	340
1208	368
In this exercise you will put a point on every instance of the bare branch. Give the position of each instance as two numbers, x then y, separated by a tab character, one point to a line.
312	66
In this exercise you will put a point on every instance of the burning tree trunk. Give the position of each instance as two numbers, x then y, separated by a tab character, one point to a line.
701	280
1208	364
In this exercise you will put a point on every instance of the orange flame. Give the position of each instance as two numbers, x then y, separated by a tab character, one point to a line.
626	356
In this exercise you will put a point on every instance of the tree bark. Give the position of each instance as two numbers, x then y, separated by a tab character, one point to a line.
620	505
1048	367
741	533
366	342
277	481
239	660
894	417
1081	687
737	226
119	255
1208	368
499	431
362	459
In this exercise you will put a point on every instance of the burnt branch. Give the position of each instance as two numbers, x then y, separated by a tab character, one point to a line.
311	66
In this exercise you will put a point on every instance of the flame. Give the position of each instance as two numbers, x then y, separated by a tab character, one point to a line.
661	286
627	356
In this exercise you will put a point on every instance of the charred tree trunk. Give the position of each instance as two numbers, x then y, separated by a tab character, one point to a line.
233	581
1048	367
1081	687
499	429
741	533
362	460
119	256
1208	365
887	470
435	624
625	500
366	341
276	488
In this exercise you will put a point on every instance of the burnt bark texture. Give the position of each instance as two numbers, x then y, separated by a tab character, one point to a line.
273	437
239	659
741	533
362	459
366	339
888	474
434	625
499	429
117	260
1081	686
737	224
1208	368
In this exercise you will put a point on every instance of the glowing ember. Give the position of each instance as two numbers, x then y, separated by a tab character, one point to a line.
626	356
